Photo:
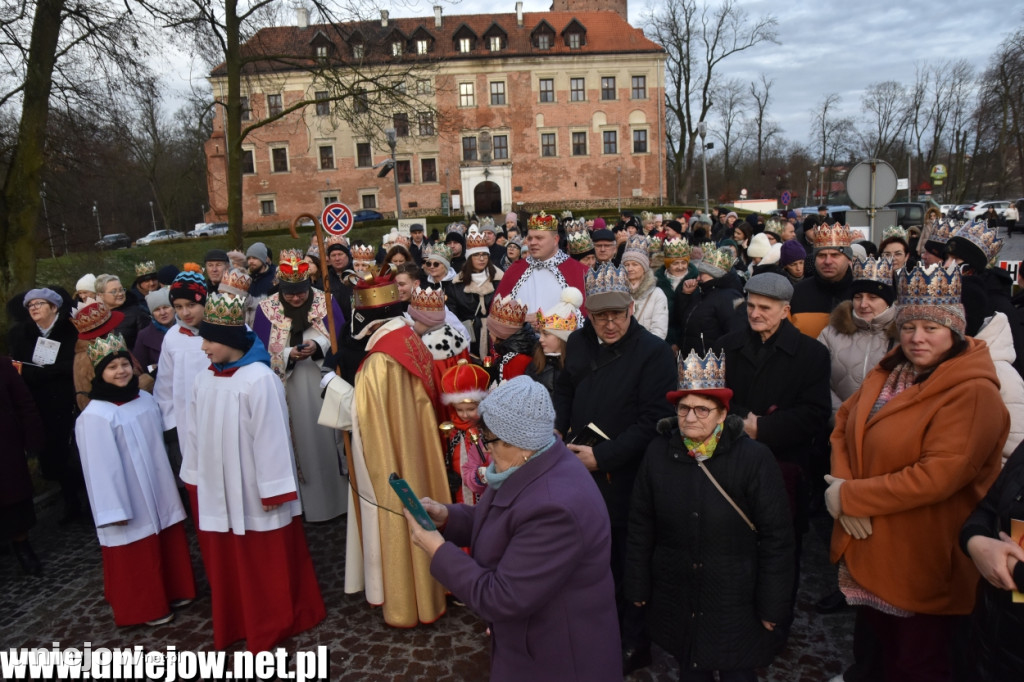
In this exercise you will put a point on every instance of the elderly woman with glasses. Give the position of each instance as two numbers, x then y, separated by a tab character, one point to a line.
116	297
710	552
539	570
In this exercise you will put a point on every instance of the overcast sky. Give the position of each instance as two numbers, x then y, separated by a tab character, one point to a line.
831	46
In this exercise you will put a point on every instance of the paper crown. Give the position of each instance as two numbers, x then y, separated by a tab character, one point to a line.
292	267
606	278
675	249
646	215
464	383
984	237
508	311
364	253
93	318
564	317
237	281
722	259
374	289
667	216
456	227
104	346
774	226
943	230
335	240
542	221
475	240
654	245
832	236
145	269
894	231
928	286
486	221
637	244
439	251
579	242
873	269
701	374
430	300
225	309
566	215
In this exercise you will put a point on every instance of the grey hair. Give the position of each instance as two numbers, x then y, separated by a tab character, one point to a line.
103	280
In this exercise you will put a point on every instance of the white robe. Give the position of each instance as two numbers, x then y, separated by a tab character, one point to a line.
181	361
238	426
127	475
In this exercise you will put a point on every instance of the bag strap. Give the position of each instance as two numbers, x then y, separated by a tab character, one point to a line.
726	496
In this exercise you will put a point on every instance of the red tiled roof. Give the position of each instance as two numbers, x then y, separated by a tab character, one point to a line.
288	47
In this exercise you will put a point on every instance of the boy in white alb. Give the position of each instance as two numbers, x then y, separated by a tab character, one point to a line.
244	490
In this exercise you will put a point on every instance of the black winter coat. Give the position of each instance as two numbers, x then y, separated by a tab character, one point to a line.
788	388
136	318
713	310
707	578
621	388
997	623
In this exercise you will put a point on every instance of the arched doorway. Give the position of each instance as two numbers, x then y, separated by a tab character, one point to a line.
487	198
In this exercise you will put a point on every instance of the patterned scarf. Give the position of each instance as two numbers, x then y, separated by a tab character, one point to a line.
551	265
701	450
900	379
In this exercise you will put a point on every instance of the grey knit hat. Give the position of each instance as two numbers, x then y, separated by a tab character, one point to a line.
520	413
258	250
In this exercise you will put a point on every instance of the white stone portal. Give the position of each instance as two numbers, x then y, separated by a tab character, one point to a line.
471	176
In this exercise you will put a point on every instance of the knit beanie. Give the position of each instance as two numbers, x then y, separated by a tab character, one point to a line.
791	252
158	299
759	246
86	283
520	412
599	224
259	251
190	286
166	275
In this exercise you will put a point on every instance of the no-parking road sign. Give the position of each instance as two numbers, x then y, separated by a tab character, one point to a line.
337	218
787	197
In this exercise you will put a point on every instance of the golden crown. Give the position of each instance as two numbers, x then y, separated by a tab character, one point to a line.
363	252
146	268
718	258
894	231
556	322
104	346
335	239
89	315
832	236
774	226
542	221
676	248
874	269
475	239
431	300
237	281
667	216
508	311
646	215
697	373
225	309
374	288
292	266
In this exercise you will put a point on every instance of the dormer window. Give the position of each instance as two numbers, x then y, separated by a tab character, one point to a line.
464	39
575	41
494	44
422	46
543	36
575	35
543	41
396	48
321	52
465	44
358	51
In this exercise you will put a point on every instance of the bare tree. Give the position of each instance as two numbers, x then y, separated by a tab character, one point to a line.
885	105
697	38
833	134
763	128
730	119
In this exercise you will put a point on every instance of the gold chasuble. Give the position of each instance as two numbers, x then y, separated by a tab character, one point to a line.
394	430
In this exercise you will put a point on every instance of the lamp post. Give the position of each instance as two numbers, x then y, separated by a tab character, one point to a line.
821	183
96	215
202	213
152	215
619	189
702	130
807	188
392	143
46	217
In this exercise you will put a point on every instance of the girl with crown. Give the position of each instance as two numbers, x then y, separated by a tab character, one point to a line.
472	290
146	565
515	340
244	489
555	327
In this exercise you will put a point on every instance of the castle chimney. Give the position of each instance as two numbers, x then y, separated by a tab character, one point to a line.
384	18
519	14
302	17
437	16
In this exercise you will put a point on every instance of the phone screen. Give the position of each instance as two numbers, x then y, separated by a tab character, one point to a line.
411	502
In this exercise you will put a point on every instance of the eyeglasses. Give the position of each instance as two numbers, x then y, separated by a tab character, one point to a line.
37	304
699	410
614	316
115	292
432	265
486	442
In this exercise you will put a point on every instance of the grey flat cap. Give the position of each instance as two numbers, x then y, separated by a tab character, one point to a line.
772	285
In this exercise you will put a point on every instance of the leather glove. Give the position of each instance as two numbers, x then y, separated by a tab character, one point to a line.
857	526
832	500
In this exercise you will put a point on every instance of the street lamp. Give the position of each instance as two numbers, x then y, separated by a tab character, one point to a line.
821	183
152	215
807	188
392	137
96	215
702	130
46	216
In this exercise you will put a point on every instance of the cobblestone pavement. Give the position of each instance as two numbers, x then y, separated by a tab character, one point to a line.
66	605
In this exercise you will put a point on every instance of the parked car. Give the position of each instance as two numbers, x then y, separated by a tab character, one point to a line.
981	207
366	214
208	230
114	241
159	236
908	213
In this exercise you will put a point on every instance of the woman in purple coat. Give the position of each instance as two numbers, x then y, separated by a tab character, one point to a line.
540	571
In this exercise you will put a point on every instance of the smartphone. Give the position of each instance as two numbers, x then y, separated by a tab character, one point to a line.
411	502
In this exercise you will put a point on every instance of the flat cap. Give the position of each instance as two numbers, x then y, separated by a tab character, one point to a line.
770	284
